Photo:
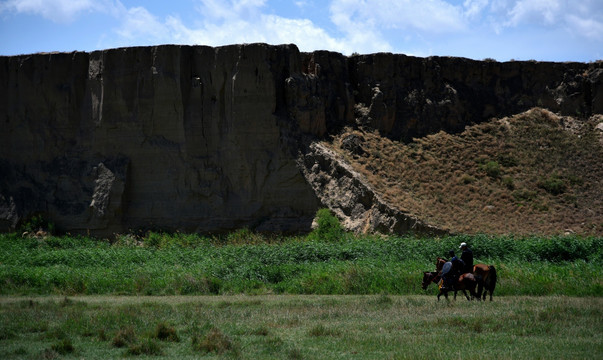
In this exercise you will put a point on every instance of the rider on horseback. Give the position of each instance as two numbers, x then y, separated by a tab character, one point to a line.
452	270
467	257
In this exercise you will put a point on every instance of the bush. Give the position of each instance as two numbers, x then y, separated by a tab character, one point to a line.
524	195
508	182
164	332
38	222
329	229
492	169
553	185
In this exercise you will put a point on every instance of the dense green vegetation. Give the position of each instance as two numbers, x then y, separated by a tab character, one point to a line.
301	327
245	262
371	322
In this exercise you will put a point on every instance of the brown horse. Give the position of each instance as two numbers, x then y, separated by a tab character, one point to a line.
440	263
465	282
484	274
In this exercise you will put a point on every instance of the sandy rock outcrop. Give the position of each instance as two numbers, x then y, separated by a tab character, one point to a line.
352	199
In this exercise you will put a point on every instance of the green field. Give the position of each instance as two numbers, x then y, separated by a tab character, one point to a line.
184	264
301	327
323	296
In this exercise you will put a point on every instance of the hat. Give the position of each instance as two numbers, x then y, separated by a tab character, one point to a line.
462	244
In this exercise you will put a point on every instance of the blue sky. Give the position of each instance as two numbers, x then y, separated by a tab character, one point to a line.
548	30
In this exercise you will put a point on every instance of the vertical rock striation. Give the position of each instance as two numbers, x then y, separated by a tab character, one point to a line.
204	139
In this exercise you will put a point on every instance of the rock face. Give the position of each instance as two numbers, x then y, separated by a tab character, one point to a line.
351	197
205	139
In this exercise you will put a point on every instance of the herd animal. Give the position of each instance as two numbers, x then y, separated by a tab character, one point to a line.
479	280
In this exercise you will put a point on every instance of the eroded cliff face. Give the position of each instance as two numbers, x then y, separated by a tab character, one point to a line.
205	139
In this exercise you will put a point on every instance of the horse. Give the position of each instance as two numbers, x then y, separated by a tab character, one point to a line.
484	274
465	282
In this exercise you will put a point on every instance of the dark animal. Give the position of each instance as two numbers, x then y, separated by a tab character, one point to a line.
465	282
484	274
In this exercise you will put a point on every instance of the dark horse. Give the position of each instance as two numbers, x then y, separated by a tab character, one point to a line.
487	276
484	274
465	282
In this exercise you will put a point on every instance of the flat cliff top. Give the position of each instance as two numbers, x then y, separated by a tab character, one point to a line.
535	172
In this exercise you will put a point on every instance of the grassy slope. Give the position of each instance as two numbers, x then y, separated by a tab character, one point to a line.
534	173
302	327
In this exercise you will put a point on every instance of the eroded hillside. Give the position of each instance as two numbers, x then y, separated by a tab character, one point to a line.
535	172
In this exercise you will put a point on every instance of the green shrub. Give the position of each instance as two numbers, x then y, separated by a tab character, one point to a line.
524	195
507	160
153	239
492	169
164	332
329	229
37	222
508	182
553	185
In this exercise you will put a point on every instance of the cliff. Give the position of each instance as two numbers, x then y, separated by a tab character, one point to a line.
195	138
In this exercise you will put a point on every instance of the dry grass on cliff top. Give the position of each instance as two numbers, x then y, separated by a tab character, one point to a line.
533	173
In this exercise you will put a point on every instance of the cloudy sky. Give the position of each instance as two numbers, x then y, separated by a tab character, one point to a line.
551	30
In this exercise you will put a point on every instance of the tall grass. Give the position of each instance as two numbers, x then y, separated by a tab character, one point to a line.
191	264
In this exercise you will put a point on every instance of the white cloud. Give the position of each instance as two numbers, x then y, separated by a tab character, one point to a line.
230	9
582	19
433	16
265	28
535	11
588	27
301	4
474	8
241	21
60	11
138	24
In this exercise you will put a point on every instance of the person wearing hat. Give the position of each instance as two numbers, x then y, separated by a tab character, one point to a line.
467	257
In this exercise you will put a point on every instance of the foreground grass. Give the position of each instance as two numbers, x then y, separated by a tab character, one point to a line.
301	327
180	264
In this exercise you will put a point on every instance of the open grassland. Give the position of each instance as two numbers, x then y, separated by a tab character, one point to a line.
301	327
64	297
244	262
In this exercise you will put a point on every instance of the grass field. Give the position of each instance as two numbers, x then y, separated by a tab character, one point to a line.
251	296
301	327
